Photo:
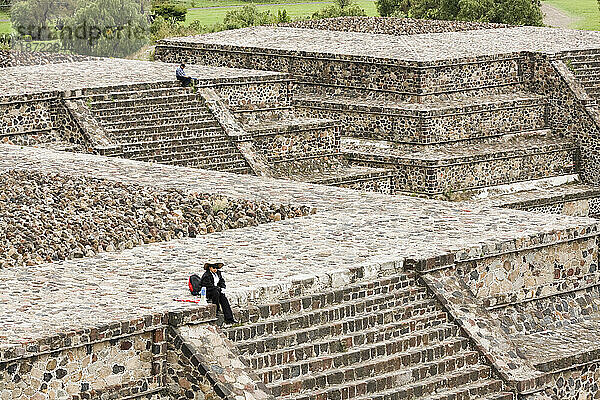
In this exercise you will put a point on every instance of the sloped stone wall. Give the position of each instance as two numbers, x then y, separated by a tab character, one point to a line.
40	121
567	110
86	216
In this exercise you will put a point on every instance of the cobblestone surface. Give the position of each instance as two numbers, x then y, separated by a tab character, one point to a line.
350	229
22	58
103	73
426	47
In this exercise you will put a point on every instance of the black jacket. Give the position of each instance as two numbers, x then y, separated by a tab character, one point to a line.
208	282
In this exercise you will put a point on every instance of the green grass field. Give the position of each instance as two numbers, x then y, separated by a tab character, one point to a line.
586	11
295	11
4	25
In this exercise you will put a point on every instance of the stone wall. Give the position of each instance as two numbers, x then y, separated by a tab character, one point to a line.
449	171
568	111
575	384
211	365
39	122
50	217
404	79
531	313
428	126
127	359
24	58
584	207
390	26
526	272
122	359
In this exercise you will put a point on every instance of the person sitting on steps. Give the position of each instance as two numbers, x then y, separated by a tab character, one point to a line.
183	77
214	283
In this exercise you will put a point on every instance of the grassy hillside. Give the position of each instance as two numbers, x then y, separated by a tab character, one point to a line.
584	11
4	23
218	9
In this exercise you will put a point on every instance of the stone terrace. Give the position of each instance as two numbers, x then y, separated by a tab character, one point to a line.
349	230
424	47
18	81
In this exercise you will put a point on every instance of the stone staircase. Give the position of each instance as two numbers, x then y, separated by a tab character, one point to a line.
169	125
383	339
586	67
458	142
305	148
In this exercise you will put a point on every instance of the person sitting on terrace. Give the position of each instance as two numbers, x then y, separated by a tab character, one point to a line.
182	76
214	283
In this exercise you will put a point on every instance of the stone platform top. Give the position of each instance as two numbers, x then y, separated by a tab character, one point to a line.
423	47
349	230
107	72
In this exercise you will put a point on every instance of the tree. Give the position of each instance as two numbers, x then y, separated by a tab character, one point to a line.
112	28
387	8
246	16
168	11
335	11
514	12
34	17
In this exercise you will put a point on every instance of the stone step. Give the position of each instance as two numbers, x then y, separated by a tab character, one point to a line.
582	53
591	62
190	160
296	139
438	170
457	119
593	91
134	115
482	389
178	99
239	166
402	382
27	131
140	94
158	118
370	356
131	138
148	110
159	122
197	152
585	72
414	367
290	126
260	115
217	140
378	334
201	150
314	301
407	298
342	327
152	128
590	80
170	84
571	199
499	396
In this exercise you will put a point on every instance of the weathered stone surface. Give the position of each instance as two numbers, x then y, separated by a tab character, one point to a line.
390	26
49	217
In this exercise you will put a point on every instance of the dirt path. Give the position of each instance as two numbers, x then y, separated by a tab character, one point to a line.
556	18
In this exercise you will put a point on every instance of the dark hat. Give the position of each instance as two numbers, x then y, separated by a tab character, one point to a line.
217	265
